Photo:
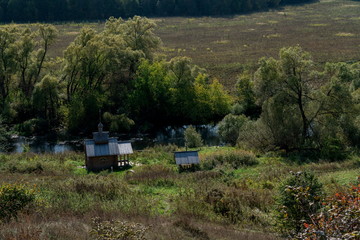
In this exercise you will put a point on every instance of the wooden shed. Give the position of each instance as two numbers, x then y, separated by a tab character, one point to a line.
103	152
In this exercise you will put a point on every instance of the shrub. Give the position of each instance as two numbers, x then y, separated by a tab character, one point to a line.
333	149
299	197
230	127
226	204
235	159
6	143
13	199
153	175
192	138
256	135
339	220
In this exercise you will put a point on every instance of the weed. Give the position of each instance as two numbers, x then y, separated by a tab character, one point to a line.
13	199
235	159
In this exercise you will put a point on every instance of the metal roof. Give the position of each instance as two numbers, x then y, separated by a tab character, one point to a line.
190	157
101	137
107	149
125	148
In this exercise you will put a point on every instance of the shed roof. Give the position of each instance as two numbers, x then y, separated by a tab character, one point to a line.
189	157
101	137
107	149
125	148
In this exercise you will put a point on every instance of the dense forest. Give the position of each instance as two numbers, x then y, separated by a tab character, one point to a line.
77	10
289	103
114	71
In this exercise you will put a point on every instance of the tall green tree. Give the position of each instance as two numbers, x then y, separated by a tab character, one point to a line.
8	64
297	100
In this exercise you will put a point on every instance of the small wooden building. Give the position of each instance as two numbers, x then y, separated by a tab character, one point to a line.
103	152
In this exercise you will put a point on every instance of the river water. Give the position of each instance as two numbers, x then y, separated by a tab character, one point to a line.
166	136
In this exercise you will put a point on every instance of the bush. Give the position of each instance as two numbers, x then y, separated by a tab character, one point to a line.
6	143
235	159
299	197
230	126
333	149
226	204
339	220
13	199
192	138
153	175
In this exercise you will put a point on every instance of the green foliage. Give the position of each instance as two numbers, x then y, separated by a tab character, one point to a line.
301	108
150	99
299	197
6	143
246	96
176	92
333	149
154	175
46	100
256	135
153	192
226	204
192	138
13	199
230	127
118	122
234	159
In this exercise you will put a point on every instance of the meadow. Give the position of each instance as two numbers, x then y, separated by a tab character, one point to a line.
225	46
234	193
232	196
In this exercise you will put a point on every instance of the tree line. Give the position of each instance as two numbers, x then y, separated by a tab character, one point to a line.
77	10
292	104
289	103
114	70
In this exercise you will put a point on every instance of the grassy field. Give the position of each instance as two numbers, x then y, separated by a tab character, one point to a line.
329	29
156	197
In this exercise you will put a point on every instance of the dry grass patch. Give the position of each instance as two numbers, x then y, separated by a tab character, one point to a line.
318	24
275	35
345	34
222	42
72	33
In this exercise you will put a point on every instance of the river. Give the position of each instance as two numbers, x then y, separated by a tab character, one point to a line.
169	135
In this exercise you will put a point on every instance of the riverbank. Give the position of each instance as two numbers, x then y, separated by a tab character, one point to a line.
159	200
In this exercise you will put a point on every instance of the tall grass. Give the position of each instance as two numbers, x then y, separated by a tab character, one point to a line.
234	191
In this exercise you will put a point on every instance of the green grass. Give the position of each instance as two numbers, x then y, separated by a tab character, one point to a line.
156	195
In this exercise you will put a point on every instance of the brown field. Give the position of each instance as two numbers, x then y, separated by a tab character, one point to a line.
329	29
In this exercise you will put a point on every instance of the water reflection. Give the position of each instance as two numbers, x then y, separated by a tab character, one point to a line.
39	145
169	135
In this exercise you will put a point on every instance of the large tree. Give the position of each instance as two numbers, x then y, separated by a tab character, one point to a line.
298	101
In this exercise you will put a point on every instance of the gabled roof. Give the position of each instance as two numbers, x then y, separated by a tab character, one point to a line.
125	148
97	150
189	157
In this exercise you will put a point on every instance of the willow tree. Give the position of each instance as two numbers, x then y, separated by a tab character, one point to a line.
7	62
99	66
298	101
32	48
